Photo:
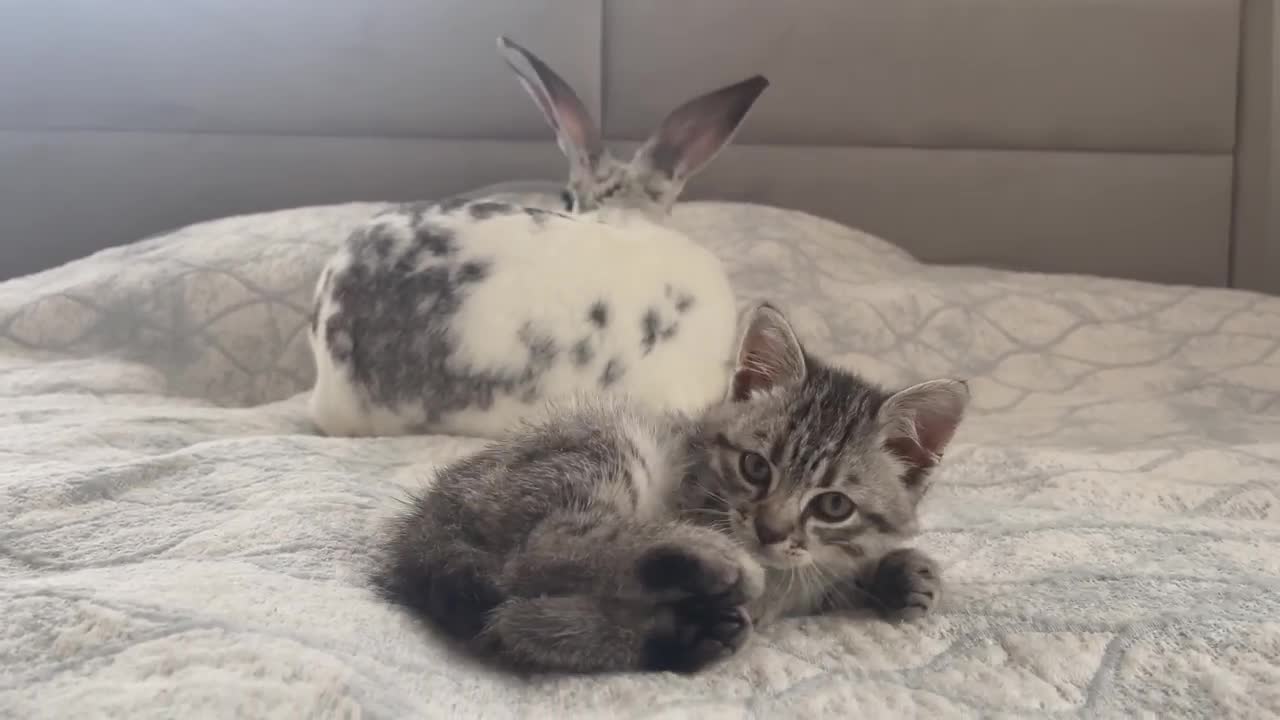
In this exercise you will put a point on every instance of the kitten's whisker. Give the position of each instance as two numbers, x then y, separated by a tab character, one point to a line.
814	581
721	524
791	579
711	494
845	588
823	585
830	587
713	518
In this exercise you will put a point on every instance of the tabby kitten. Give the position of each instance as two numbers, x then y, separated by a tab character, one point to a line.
604	538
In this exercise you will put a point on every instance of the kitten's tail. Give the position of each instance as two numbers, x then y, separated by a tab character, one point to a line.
429	568
457	600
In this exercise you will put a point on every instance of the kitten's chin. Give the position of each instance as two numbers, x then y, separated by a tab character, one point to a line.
776	563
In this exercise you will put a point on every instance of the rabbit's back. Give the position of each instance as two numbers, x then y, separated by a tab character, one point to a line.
467	317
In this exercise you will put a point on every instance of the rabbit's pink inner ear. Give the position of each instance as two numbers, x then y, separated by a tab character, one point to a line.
572	137
694	133
692	148
543	102
576	136
576	132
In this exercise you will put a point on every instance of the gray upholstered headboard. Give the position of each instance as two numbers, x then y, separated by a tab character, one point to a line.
1122	137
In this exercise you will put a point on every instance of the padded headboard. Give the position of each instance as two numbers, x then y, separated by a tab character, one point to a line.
1097	136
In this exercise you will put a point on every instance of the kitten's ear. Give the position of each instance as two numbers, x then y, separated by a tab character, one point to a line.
769	355
920	421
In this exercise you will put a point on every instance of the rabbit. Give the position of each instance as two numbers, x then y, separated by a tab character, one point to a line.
544	194
469	315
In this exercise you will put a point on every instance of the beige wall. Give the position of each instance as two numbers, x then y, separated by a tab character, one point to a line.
1090	137
1256	261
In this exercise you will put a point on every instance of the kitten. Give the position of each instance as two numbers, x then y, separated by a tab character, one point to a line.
608	539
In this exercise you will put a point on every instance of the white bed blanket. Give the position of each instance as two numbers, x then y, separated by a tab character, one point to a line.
175	541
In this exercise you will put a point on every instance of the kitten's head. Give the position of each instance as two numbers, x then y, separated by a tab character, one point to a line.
813	466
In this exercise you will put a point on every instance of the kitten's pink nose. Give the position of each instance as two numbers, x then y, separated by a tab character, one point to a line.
770	531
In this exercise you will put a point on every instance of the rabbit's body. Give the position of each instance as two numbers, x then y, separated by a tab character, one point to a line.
466	318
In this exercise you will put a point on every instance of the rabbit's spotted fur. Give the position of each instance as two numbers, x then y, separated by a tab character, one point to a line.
464	318
467	315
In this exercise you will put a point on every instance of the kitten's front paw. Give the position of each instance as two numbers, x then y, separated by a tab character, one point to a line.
726	574
907	583
699	633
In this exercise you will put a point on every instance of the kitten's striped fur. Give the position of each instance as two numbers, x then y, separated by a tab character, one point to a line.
603	538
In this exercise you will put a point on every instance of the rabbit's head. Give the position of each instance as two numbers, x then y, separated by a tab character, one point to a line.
685	141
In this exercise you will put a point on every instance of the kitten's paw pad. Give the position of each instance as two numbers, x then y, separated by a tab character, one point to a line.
700	634
908	584
700	574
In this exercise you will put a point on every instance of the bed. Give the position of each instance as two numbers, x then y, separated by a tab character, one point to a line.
1107	519
176	539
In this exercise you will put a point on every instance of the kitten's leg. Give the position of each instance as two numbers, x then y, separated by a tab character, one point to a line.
904	585
580	633
600	553
664	595
453	585
907	583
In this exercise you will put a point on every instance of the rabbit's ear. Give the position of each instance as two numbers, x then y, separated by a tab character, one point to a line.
576	132
694	132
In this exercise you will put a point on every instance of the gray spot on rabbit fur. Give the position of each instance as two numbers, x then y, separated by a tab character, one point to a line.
432	239
649	327
473	271
540	215
599	314
612	373
392	311
653	329
478	208
338	338
417	211
542	347
682	300
583	353
486	209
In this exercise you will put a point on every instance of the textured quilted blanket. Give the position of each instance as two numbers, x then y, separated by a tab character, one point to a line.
176	541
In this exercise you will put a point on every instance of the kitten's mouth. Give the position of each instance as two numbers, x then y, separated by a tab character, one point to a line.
779	559
771	560
770	556
773	556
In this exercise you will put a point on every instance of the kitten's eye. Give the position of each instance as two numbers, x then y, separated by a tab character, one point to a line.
755	469
832	507
566	197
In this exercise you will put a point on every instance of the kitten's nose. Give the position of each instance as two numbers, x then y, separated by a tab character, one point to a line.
769	530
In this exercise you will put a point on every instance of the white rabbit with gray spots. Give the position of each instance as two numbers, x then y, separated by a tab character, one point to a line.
466	316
